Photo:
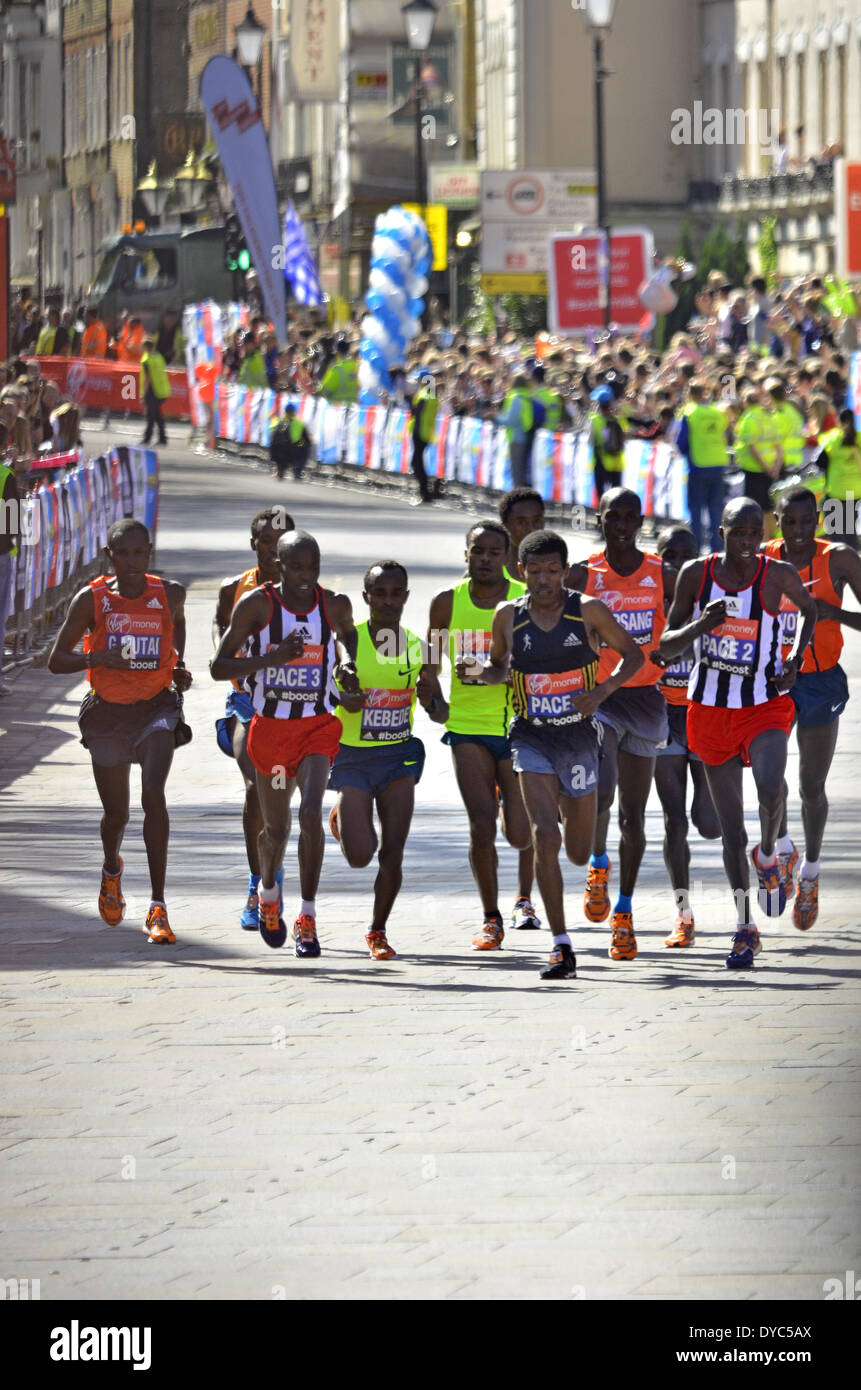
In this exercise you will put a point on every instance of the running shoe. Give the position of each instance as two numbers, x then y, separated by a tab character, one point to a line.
305	936
333	824
623	943
745	945
157	928
806	907
772	893
490	937
271	924
563	964
787	864
112	904
249	919
683	933
596	898
379	947
524	917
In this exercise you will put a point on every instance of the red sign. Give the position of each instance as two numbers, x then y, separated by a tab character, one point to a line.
574	298
7	172
96	383
853	220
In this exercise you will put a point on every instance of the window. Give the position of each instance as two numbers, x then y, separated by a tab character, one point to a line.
128	94
801	74
841	96
824	135
35	124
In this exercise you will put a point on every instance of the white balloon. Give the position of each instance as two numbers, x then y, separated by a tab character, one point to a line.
421	286
369	380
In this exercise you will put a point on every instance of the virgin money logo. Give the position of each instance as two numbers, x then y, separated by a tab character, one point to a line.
119	622
76	382
541	685
613	600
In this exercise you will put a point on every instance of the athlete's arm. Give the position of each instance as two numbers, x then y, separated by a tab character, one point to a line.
599	620
176	602
577	578
845	566
81	619
340	611
428	690
803	600
680	632
249	616
223	610
495	670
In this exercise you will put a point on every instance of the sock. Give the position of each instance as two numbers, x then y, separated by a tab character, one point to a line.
308	908
623	904
494	916
157	902
599	861
809	868
253	882
784	845
765	861
268	895
523	902
683	903
563	940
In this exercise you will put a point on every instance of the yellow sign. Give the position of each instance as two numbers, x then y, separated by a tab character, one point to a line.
514	284
435	216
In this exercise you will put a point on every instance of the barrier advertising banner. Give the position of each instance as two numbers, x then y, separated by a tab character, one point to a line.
97	383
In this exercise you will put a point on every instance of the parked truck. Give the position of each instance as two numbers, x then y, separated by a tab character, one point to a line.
155	271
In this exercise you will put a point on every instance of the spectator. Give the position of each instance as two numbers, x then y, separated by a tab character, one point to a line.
153	388
47	337
517	418
608	440
169	339
290	444
702	440
841	461
94	342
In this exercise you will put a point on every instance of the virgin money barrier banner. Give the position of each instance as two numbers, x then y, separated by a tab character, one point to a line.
96	383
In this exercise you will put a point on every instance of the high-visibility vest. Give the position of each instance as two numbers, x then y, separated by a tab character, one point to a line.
6	472
790	435
707	435
552	403
843	475
425	417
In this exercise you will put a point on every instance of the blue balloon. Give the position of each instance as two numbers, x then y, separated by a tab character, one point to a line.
375	301
416	308
423	265
367	397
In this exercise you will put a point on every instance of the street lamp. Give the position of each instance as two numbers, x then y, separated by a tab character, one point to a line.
419	20
153	193
249	34
599	20
192	183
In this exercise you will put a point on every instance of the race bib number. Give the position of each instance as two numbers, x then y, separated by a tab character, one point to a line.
386	716
295	681
732	646
788	620
550	698
678	675
634	612
138	640
473	646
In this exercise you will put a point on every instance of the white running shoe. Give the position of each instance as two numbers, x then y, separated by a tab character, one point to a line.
524	916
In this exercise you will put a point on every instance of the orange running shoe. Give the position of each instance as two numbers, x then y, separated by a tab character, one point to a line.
596	898
379	947
270	923
805	909
333	824
490	936
112	904
787	864
305	936
157	928
623	943
683	933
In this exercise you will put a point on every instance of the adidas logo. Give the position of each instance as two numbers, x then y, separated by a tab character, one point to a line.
648	583
591	780
571	641
153	603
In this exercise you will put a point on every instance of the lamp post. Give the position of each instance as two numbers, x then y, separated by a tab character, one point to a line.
599	19
154	193
249	34
419	20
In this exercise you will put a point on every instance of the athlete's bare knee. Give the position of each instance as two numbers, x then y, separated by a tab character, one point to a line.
153	800
812	790
310	820
358	854
482	833
735	841
632	823
676	825
547	840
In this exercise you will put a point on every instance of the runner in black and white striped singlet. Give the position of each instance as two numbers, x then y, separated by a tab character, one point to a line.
302	687
735	664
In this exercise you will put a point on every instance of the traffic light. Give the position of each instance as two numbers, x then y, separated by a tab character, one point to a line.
236	255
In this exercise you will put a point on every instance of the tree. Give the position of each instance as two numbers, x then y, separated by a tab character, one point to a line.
718	251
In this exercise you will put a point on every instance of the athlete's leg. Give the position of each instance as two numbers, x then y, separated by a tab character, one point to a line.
395	807
252	820
515	821
725	785
112	784
156	755
671	783
816	745
635	783
578	820
608	777
768	752
312	776
703	813
525	873
541	796
356	826
274	797
475	770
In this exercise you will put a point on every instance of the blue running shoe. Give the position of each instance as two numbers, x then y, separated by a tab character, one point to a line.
745	945
772	888
272	927
250	912
305	936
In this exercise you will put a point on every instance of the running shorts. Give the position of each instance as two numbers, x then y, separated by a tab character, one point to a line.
717	735
820	697
497	745
677	740
114	734
570	754
279	745
374	769
638	714
239	707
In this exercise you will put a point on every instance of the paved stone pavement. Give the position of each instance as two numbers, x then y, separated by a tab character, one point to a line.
218	1121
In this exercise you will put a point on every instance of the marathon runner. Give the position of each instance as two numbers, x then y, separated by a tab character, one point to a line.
676	545
476	718
728	604
549	639
291	630
133	626
821	690
232	729
521	512
634	586
379	762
